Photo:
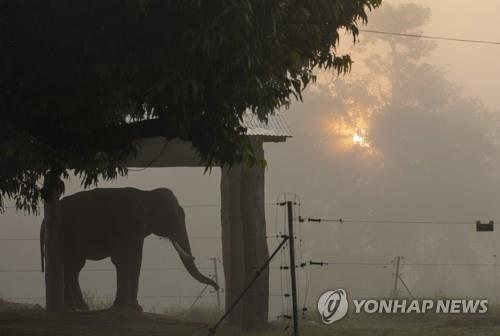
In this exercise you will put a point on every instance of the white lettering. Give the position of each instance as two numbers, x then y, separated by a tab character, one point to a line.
443	306
371	306
413	308
426	305
455	306
385	306
399	304
484	306
470	306
358	304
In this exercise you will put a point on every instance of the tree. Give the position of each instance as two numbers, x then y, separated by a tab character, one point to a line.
430	153
81	82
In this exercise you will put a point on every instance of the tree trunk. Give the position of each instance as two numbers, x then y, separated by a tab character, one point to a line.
244	244
54	266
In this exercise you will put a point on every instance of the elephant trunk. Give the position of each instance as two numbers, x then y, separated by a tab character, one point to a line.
181	245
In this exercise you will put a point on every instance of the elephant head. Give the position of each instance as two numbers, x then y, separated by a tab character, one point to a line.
161	214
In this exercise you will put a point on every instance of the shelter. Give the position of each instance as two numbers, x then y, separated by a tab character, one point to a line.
243	223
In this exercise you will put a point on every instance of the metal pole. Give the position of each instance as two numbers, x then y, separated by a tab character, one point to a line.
292	268
396	278
216	279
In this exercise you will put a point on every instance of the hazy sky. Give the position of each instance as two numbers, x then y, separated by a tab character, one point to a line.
433	159
474	66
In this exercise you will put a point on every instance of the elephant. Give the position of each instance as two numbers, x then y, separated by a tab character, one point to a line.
113	222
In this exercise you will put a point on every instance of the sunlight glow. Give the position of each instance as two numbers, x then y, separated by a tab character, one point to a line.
348	133
359	139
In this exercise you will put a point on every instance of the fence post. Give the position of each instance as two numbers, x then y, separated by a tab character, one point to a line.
291	245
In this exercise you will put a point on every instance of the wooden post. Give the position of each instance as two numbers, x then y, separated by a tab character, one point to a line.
54	265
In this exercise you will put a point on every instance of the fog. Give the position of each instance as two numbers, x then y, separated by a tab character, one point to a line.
411	134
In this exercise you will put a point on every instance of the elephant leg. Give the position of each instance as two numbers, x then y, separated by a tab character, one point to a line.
135	261
73	295
75	287
78	297
69	302
122	283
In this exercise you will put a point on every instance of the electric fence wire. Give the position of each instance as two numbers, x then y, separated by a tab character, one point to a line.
378	221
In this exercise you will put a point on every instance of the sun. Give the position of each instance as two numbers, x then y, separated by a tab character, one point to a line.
348	132
359	138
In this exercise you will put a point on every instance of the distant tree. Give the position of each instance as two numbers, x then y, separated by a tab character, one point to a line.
81	82
433	152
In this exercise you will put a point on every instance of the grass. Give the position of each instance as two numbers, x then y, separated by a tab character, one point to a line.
20	319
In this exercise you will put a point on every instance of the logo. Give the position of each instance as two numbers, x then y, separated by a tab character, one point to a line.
333	306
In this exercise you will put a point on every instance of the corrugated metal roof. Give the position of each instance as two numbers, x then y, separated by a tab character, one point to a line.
275	126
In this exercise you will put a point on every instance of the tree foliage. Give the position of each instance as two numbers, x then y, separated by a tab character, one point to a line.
81	82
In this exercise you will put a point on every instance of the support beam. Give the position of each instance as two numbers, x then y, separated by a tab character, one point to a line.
244	243
232	241
256	303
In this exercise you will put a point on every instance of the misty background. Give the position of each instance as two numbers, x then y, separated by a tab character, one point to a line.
411	134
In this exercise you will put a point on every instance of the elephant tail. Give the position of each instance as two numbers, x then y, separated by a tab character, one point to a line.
42	245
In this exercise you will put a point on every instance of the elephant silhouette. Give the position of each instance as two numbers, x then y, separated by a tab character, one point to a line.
114	222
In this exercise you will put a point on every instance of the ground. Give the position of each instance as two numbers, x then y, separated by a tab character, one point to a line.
16	319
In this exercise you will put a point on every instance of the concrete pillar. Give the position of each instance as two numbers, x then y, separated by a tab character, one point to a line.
244	243
256	302
232	238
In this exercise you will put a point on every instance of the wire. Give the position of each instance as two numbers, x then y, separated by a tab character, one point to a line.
140	296
430	37
214	205
160	153
404	284
151	269
149	238
377	221
333	263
